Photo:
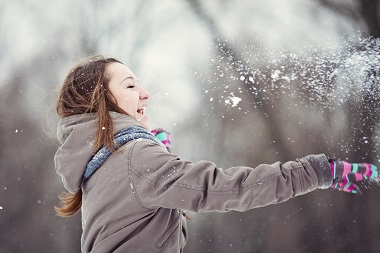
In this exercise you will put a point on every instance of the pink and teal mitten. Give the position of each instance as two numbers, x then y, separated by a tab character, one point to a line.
164	136
347	175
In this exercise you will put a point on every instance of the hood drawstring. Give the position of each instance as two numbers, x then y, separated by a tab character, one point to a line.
185	215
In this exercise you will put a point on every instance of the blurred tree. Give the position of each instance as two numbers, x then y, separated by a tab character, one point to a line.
29	186
259	130
362	121
363	117
26	194
362	113
364	12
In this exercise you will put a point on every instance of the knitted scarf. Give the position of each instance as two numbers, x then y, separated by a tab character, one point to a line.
121	138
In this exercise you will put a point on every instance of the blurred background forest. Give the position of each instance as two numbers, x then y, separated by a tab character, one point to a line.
253	81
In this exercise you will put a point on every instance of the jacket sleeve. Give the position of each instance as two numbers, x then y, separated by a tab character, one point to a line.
162	179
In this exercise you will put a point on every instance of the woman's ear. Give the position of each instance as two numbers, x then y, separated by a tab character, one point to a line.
111	97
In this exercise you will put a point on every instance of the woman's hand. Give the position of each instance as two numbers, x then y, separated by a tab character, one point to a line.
347	175
164	136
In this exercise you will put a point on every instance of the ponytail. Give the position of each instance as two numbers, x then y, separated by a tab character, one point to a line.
70	203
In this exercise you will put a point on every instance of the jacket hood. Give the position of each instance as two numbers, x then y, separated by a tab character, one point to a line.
76	135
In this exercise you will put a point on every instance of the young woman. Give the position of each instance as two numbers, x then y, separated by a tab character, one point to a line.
132	191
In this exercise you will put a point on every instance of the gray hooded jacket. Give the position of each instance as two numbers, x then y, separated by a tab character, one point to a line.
132	202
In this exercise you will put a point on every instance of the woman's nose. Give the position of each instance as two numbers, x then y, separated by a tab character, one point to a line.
144	94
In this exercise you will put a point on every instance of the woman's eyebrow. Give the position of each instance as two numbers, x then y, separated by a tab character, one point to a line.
129	77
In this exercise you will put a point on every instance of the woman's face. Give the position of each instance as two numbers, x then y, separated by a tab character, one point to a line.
129	95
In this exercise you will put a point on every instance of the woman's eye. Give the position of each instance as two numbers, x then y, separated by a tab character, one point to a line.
131	86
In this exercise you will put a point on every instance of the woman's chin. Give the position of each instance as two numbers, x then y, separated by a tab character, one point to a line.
144	121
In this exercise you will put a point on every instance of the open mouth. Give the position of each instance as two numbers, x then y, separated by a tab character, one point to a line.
141	111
